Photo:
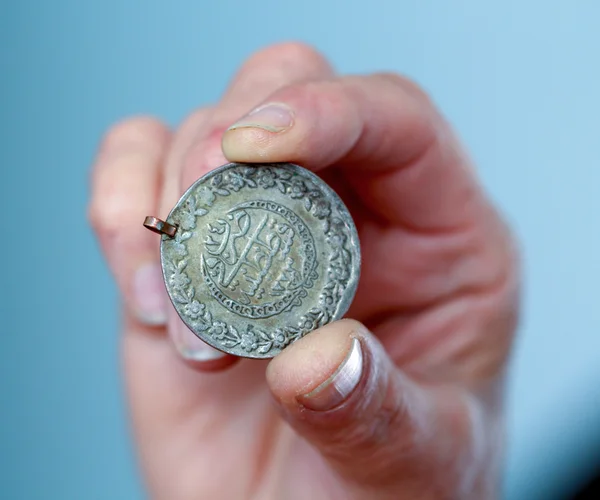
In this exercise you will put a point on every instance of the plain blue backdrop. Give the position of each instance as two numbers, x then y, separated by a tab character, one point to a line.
518	78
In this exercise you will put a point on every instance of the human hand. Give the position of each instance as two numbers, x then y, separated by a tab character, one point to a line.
409	399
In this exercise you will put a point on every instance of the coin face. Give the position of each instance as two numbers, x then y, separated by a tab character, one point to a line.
262	255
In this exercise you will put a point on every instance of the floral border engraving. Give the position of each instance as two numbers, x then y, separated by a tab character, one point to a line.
198	204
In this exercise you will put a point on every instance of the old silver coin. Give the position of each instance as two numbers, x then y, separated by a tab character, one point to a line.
255	257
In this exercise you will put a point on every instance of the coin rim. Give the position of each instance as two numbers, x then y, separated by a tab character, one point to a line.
350	290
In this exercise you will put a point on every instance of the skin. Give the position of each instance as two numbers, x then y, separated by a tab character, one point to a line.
435	311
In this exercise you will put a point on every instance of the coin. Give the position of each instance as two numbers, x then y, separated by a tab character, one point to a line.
261	256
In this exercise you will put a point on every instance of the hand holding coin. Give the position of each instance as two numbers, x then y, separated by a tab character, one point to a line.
401	400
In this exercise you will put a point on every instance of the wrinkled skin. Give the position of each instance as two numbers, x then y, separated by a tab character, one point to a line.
435	311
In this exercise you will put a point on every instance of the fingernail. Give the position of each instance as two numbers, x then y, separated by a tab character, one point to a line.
150	295
273	117
336	389
189	346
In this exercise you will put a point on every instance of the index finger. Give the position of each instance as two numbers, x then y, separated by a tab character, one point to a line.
393	146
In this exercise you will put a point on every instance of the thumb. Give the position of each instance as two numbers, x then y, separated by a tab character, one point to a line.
375	426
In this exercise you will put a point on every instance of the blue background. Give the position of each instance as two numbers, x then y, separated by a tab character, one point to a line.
520	79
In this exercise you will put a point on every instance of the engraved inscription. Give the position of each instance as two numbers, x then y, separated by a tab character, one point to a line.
259	260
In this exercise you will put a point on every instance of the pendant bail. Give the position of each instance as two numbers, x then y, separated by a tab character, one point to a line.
159	226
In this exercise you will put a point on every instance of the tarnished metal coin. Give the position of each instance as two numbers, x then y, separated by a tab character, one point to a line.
255	257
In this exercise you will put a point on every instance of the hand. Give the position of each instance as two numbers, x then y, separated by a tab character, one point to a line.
418	414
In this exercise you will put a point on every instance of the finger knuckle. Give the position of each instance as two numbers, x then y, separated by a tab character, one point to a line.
95	216
105	218
120	190
134	130
298	53
405	83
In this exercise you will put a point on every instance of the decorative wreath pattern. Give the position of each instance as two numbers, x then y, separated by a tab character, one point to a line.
253	340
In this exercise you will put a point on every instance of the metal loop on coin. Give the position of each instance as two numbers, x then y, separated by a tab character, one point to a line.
160	226
260	255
